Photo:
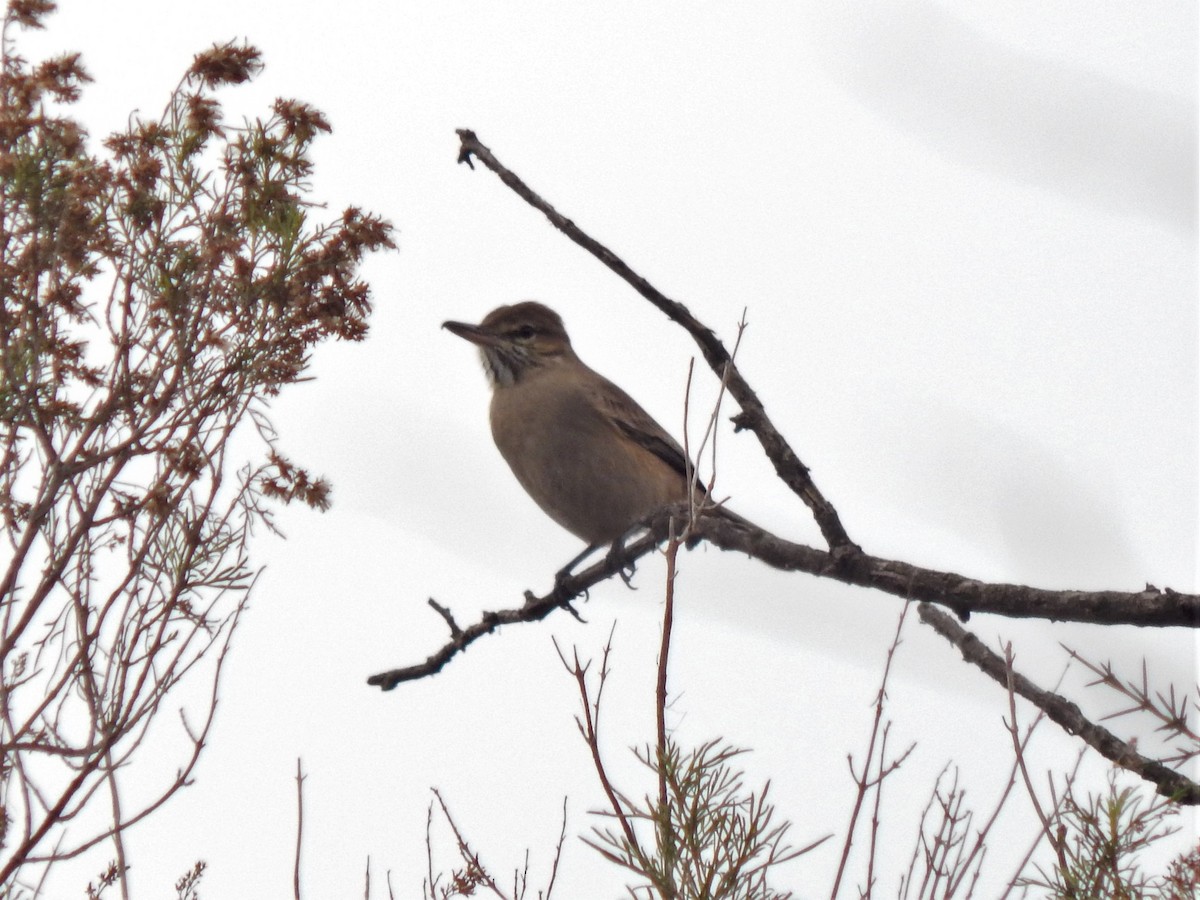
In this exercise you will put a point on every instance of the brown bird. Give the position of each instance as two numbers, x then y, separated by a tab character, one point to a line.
582	448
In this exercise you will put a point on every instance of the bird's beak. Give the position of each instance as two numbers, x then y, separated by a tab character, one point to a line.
473	333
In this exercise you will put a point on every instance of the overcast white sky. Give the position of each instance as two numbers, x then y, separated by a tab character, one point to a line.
966	238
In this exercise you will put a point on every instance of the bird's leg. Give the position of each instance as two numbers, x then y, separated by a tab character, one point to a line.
627	567
565	572
616	553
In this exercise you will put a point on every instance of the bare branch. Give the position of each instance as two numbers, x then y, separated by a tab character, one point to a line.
533	610
1066	714
1151	607
863	782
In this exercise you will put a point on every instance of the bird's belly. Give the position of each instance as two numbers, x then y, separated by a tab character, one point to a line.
580	470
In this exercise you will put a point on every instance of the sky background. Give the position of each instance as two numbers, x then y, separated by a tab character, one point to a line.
965	239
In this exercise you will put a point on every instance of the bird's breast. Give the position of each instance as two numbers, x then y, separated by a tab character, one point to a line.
572	459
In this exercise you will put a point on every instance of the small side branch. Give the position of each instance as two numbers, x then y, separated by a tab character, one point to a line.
1062	711
534	609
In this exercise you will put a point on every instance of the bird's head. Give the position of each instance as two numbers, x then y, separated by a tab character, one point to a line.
516	340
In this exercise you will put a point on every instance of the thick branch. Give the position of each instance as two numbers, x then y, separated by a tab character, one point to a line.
753	416
1150	607
963	595
1169	782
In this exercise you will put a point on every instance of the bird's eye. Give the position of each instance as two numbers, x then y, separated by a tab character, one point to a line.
525	332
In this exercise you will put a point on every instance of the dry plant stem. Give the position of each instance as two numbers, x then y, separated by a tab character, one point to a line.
1069	782
1018	750
710	428
118	841
689	468
475	867
464	882
430	883
183	777
300	831
562	839
1169	783
981	836
944	875
664	653
589	728
753	415
880	774
907	878
864	782
940	843
1019	762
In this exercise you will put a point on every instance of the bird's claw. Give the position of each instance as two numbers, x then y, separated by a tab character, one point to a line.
625	568
566	604
561	577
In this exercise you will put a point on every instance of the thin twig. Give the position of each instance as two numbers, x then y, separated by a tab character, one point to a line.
475	867
981	836
562	837
660	689
1018	750
431	884
1058	805
863	782
299	827
589	728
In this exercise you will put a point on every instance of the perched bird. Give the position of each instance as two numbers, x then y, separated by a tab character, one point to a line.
588	455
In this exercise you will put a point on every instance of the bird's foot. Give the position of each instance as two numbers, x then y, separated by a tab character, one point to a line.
566	604
560	598
561	577
569	569
625	567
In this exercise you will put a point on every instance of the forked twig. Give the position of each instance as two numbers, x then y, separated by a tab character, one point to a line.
863	781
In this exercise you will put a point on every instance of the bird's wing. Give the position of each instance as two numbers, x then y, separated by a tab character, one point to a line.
638	425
